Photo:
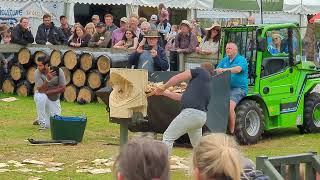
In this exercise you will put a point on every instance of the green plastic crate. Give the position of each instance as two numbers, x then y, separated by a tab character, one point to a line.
67	128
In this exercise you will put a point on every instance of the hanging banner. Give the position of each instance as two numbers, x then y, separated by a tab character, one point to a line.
249	5
12	11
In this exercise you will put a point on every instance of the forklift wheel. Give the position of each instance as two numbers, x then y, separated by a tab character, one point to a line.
311	123
249	122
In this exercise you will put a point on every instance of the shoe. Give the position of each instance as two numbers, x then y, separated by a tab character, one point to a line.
35	122
42	126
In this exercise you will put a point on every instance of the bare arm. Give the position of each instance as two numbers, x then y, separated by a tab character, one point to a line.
172	95
236	69
186	75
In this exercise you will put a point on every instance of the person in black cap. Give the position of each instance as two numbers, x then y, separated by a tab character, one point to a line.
102	38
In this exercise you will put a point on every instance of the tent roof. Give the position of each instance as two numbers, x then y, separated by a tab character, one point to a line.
301	6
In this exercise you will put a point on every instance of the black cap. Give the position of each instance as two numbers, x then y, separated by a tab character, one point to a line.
101	24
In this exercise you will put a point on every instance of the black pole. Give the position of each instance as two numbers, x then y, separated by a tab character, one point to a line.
261	10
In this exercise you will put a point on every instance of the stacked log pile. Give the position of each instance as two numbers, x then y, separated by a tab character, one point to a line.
85	71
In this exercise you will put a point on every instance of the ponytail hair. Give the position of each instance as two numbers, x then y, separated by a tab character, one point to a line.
218	157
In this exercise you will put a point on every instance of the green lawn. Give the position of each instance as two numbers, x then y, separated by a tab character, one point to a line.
16	126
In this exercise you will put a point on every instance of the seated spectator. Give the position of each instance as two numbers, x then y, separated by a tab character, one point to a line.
129	41
276	46
143	159
65	27
108	20
217	156
185	42
145	27
101	38
170	37
153	21
3	28
150	55
49	34
210	44
81	38
90	28
6	58
95	19
117	34
21	34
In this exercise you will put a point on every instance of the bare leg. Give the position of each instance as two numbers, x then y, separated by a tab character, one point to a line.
232	116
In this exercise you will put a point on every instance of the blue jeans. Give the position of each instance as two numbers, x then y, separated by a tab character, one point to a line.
236	94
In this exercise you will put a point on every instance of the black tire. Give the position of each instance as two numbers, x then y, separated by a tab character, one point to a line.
249	122
311	122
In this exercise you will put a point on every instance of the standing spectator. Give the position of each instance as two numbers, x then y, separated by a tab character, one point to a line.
133	24
170	37
210	43
198	30
90	28
153	21
129	41
21	34
163	27
49	34
185	42
163	11
95	19
6	58
117	34
101	38
250	20
143	159
80	38
150	55
65	27
141	20
238	66
108	20
49	84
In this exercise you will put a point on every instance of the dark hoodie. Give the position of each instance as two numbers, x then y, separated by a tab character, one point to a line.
21	36
51	34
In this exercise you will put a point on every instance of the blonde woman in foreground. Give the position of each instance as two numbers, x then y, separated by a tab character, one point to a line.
217	157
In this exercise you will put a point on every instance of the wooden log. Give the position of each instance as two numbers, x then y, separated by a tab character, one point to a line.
71	93
55	58
24	57
30	74
24	88
8	86
79	78
103	64
67	74
87	61
95	79
17	72
41	52
86	95
71	59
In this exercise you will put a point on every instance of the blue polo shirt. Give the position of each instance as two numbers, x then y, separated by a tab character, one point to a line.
238	80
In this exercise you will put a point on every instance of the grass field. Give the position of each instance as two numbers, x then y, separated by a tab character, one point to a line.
16	126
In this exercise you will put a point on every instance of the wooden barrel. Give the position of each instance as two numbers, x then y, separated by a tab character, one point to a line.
30	74
85	95
71	59
17	72
8	86
79	78
87	61
24	57
95	79
55	58
103	64
67	74
71	93
24	88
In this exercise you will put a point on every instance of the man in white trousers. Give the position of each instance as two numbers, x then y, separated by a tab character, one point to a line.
50	83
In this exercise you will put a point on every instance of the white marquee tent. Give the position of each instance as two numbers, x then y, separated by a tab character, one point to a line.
301	6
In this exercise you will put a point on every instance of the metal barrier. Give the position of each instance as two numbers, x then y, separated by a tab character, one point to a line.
289	167
189	61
